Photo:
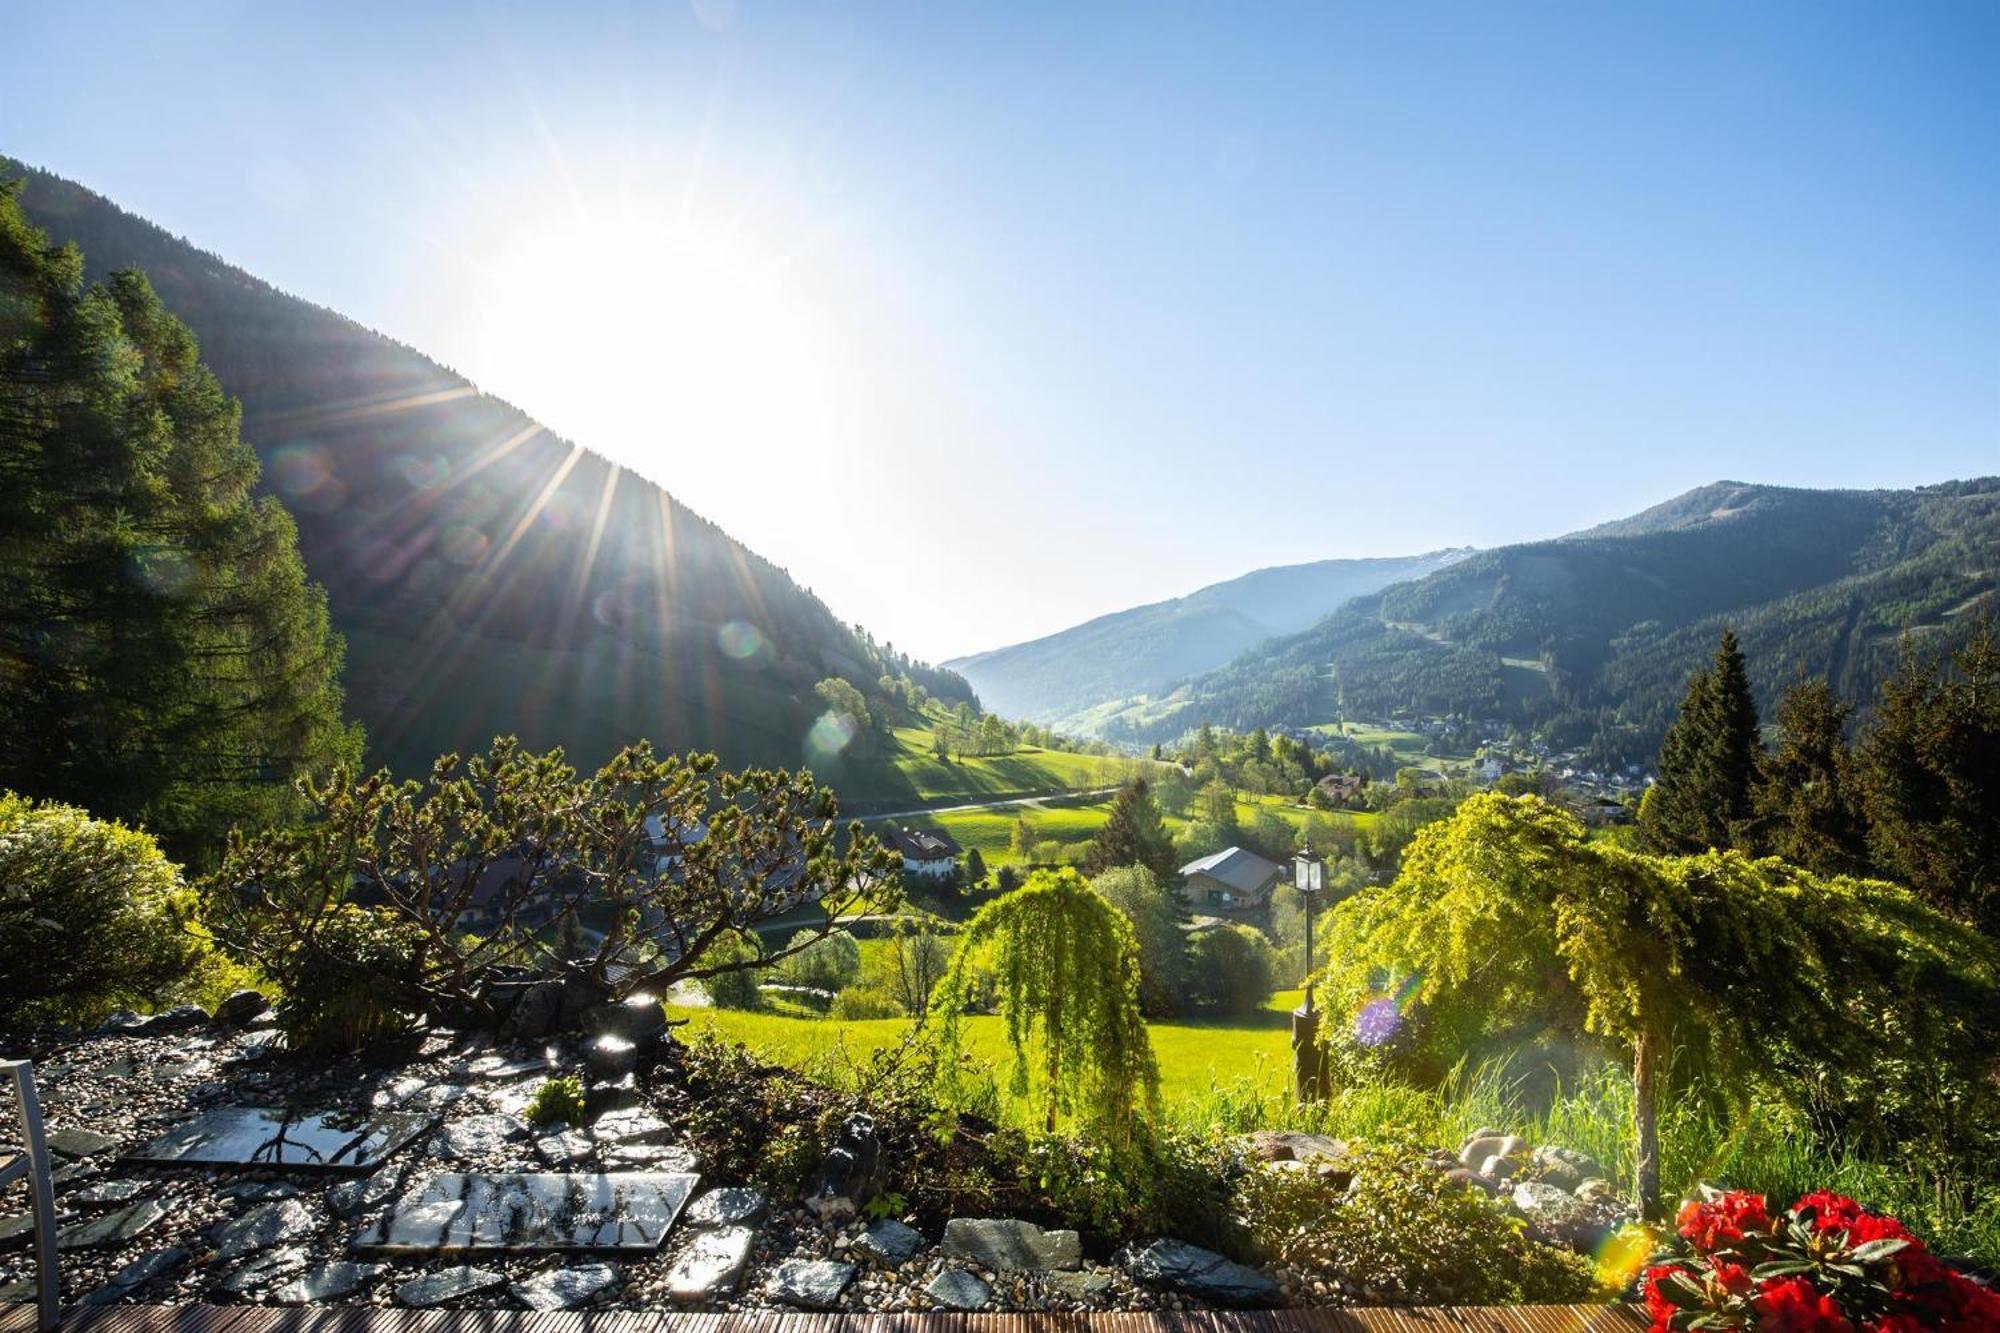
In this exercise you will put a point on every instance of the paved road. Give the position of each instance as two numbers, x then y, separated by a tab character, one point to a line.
984	805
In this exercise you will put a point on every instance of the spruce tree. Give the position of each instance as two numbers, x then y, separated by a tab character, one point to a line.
1808	811
163	660
1708	761
1134	835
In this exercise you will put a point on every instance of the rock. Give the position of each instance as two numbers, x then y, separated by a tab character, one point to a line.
712	1265
629	1210
1462	1175
609	1057
118	1024
631	1126
1558	1216
1597	1190
1010	1245
327	1282
14	1226
1564	1168
816	1284
276	1136
180	1018
890	1242
639	1018
447	1284
152	1264
108	1191
238	1008
79	1142
113	1229
729	1207
614	1094
259	1191
1501	1168
1285	1145
1189	1269
477	1137
564	1288
850	1174
1088	1287
564	1147
265	1226
355	1196
537	1011
267	1268
956	1289
1480	1147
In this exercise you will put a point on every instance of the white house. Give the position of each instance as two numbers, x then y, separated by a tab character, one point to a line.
1230	879
927	853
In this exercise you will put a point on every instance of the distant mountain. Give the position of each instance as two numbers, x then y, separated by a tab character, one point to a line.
489	576
1590	638
1058	678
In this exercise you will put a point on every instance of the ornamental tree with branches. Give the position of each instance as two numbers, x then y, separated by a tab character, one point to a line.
1065	965
1506	922
631	877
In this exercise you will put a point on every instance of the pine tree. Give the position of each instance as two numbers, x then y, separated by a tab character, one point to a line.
166	662
1708	761
1808	810
1134	835
1930	778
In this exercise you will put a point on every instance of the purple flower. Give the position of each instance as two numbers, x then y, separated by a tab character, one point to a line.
1378	1022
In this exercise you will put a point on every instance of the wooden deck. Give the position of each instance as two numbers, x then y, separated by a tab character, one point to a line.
369	1319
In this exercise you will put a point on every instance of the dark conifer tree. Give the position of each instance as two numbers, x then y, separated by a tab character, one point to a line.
1808	808
1708	761
1930	779
1134	835
162	658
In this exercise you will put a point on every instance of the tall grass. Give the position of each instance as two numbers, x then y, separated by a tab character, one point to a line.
1764	1148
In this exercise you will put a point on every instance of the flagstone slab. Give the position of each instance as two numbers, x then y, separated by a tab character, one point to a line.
267	1136
532	1211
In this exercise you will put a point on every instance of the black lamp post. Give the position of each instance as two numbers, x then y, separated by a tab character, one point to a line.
1308	1061
1309	878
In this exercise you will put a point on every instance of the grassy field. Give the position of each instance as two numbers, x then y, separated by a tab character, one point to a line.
905	774
1198	1060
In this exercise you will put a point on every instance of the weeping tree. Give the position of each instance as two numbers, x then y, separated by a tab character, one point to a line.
1507	923
1065	966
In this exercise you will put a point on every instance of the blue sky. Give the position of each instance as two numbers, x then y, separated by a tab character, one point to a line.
983	321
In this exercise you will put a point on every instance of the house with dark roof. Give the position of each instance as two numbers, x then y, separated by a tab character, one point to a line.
927	853
1231	879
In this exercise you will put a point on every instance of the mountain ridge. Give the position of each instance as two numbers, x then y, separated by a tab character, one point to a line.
489	576
1056	678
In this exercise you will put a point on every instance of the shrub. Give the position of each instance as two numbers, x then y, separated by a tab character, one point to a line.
860	1002
349	984
1406	1234
559	1101
735	988
91	917
822	962
1232	970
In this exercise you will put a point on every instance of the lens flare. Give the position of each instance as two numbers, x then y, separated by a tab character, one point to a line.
463	545
830	735
1381	1018
1622	1256
742	641
162	570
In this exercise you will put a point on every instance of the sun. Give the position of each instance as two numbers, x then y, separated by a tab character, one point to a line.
677	353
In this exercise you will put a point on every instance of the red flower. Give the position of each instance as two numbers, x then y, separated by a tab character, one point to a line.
1832	1212
1975	1309
1725	1221
1658	1307
1794	1305
1896	1323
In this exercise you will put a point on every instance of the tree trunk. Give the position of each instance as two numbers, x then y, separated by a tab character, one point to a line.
1645	1126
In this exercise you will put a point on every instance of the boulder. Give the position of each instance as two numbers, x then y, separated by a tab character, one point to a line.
536	1012
1501	1167
613	1094
180	1018
816	1284
1463	1175
1009	1245
239	1008
1287	1145
565	1288
712	1265
1565	1168
890	1242
638	1018
1204	1274
850	1174
1557	1216
956	1289
1086	1288
609	1057
1597	1190
447	1284
1480	1147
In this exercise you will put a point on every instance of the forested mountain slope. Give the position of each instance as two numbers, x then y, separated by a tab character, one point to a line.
489	576
1592	636
1055	678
